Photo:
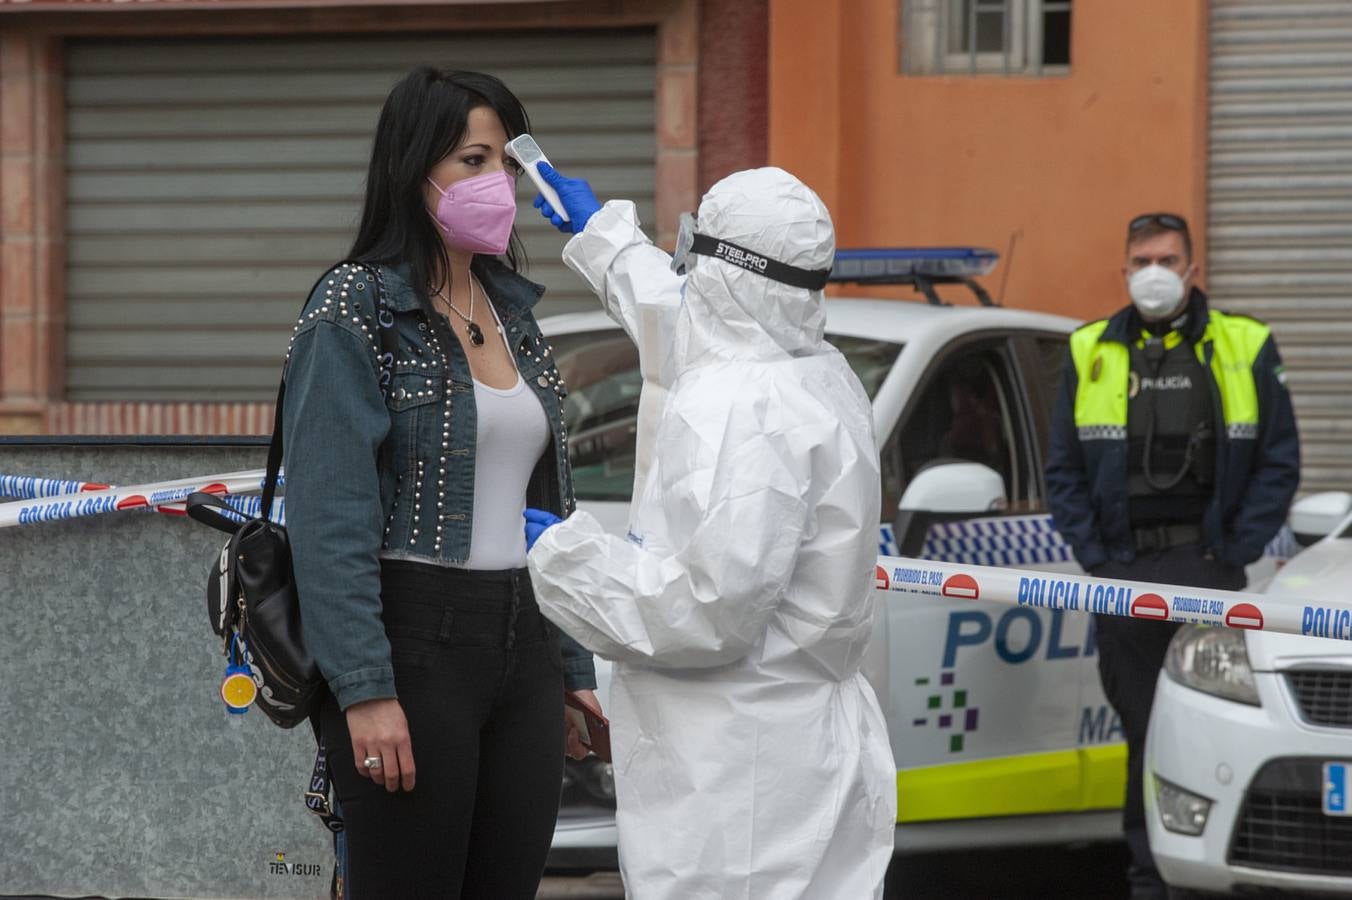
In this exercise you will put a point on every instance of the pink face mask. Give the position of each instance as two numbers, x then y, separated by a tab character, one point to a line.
476	214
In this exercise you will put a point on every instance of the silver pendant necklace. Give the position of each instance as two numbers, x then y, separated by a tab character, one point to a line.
476	334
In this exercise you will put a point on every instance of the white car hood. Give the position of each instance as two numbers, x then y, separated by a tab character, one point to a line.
1320	573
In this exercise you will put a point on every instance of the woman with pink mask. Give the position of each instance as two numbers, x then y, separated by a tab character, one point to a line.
407	471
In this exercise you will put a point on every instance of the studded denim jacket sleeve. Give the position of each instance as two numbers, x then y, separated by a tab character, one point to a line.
334	423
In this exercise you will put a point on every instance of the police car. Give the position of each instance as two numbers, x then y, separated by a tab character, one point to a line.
1000	730
1249	753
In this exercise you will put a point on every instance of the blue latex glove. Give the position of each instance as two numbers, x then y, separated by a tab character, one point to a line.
538	521
576	195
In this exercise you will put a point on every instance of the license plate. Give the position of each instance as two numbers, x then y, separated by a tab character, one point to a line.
1335	789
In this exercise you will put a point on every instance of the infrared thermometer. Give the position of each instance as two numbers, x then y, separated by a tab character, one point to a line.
525	151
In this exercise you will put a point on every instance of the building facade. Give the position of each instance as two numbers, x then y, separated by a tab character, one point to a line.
1039	128
176	173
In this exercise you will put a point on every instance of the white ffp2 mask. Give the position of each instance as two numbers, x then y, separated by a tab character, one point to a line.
1156	291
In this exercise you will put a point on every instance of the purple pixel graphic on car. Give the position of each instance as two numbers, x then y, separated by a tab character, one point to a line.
950	720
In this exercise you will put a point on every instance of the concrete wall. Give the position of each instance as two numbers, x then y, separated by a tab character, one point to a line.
1061	162
120	772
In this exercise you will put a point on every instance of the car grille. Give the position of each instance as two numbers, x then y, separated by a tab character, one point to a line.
1282	824
1324	697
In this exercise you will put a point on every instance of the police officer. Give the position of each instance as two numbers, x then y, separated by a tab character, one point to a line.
1174	457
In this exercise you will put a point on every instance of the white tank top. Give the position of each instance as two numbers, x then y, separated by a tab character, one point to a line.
513	433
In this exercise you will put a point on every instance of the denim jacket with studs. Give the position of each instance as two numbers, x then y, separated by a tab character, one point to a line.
371	477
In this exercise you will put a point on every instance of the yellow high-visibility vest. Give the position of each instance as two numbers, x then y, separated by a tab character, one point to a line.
1103	368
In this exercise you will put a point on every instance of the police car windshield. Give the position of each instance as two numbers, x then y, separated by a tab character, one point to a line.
601	409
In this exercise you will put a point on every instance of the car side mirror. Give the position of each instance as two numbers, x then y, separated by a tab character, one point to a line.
946	490
1314	517
954	487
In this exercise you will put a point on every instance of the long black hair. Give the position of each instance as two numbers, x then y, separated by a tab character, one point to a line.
424	118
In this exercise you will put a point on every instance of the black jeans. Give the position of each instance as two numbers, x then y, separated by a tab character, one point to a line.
480	680
1130	655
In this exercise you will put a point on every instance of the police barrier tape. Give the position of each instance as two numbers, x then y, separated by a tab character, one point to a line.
1133	599
924	577
164	496
244	506
251	508
27	487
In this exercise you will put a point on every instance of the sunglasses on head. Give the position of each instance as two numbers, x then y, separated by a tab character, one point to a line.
1166	220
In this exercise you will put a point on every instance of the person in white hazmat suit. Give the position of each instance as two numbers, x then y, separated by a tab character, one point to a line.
751	755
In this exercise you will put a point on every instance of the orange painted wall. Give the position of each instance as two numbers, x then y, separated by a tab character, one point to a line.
1062	162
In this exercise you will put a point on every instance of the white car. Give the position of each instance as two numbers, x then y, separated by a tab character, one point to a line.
1001	733
1250	742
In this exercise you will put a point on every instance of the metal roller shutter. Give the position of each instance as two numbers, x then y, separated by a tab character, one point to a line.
1281	203
210	181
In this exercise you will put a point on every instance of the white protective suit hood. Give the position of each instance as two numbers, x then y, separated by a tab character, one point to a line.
751	755
734	314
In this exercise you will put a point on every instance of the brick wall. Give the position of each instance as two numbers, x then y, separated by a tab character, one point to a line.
733	87
31	251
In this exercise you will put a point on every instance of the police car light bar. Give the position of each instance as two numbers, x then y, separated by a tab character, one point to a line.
905	262
922	267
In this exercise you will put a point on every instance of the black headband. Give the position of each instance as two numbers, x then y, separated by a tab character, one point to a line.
743	258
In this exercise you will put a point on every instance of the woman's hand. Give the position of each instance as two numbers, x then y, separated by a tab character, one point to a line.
379	729
572	740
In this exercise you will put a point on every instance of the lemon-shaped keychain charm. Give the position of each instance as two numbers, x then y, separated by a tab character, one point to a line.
237	687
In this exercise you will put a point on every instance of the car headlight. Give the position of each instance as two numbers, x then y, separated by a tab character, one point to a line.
1214	661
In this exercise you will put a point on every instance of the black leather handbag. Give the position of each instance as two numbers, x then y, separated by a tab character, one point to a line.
251	594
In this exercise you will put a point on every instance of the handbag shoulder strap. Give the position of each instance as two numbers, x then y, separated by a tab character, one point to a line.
389	344
207	509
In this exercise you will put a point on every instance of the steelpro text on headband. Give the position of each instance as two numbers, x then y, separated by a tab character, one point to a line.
689	241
